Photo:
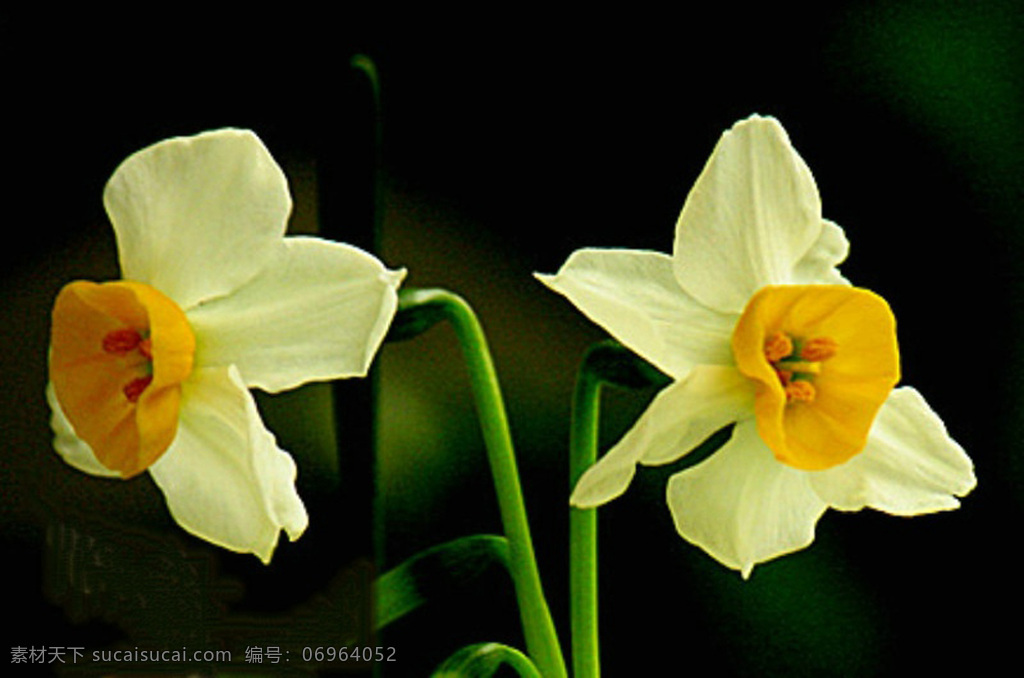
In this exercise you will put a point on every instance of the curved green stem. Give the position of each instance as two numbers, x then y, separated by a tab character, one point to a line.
538	627
604	363
366	65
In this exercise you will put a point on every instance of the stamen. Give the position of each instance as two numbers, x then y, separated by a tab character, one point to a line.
135	387
122	341
819	348
777	347
797	362
801	367
800	391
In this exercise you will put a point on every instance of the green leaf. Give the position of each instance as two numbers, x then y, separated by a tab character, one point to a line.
436	573
484	660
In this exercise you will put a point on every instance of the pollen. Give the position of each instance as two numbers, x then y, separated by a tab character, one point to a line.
797	362
777	347
819	349
135	347
122	341
133	390
800	391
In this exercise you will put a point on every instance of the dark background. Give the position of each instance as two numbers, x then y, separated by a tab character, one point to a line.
514	135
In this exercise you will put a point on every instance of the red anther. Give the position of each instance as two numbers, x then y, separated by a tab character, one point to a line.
135	387
121	341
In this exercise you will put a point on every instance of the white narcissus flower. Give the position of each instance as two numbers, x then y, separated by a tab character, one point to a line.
153	372
755	325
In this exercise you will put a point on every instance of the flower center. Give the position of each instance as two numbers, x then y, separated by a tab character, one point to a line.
135	348
797	362
119	353
824	358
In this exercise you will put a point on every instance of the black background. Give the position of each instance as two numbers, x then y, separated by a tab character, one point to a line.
513	135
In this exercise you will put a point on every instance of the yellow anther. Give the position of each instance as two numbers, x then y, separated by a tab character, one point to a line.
777	347
800	391
819	348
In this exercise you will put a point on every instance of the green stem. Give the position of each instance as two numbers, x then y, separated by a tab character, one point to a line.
583	435
538	627
604	363
365	65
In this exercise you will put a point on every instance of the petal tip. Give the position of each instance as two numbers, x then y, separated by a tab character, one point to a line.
393	277
600	484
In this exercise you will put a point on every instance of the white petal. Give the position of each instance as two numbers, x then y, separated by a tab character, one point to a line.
910	465
635	297
679	418
818	266
318	312
198	216
224	478
752	215
75	451
742	506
